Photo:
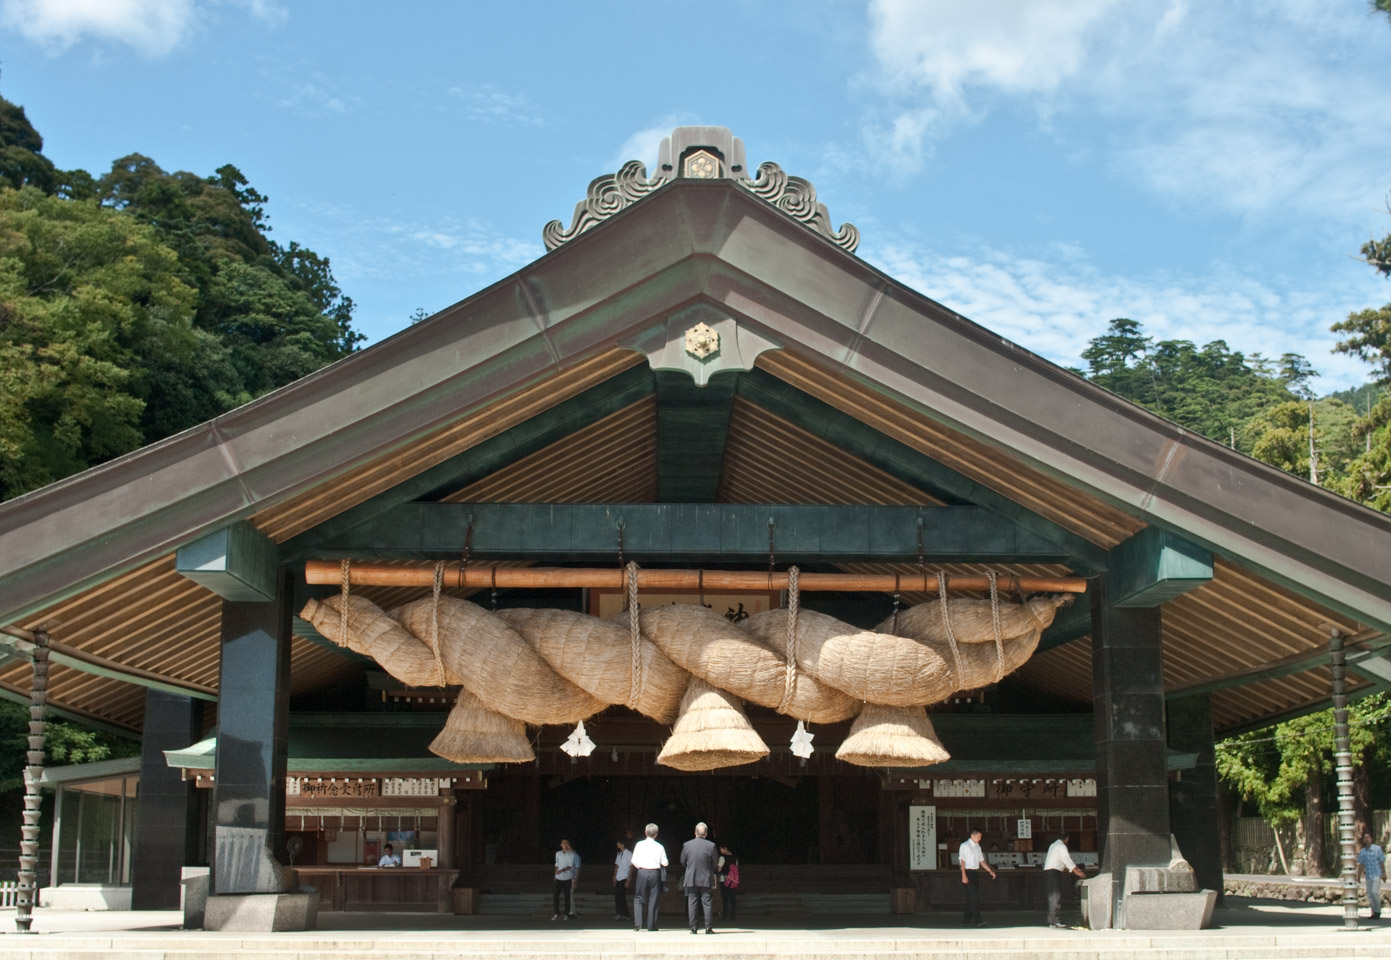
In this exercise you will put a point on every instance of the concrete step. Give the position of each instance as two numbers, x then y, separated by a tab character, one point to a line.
577	942
589	905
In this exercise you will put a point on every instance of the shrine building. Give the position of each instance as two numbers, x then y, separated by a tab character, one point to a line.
481	585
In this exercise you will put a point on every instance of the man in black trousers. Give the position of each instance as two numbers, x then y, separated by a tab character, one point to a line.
700	858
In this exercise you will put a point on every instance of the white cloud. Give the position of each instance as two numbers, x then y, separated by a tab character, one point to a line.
488	104
316	96
153	27
1054	306
644	144
1013	45
267	11
1257	111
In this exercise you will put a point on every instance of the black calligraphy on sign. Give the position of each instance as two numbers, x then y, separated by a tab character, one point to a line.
338	788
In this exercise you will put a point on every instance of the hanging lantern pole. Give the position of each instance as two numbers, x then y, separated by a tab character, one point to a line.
27	894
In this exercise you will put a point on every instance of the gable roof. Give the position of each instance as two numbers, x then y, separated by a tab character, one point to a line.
816	318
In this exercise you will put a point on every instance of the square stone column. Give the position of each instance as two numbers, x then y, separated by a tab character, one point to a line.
1195	809
166	817
248	813
1131	751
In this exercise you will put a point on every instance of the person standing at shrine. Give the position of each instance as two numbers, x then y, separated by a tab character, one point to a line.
1056	865
699	860
1371	863
649	860
565	865
622	867
972	860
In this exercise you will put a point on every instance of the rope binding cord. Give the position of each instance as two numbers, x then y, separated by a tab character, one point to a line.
345	566
635	634
995	621
946	625
897	590
435	622
794	602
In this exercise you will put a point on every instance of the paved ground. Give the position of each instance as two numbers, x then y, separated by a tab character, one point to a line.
1239	919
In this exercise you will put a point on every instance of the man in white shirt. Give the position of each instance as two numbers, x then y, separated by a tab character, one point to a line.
565	863
972	860
649	860
622	866
388	858
1057	864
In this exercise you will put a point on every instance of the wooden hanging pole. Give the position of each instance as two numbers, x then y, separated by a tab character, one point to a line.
481	576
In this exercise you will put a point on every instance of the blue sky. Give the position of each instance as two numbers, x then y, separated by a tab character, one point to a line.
1040	166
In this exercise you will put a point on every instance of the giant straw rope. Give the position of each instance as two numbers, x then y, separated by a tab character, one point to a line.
689	664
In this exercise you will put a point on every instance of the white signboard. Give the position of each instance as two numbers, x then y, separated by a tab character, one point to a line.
1026	830
922	838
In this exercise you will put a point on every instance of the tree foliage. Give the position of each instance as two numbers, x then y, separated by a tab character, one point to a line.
65	743
139	304
1211	390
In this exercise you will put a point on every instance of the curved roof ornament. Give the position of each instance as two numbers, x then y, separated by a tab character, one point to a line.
700	153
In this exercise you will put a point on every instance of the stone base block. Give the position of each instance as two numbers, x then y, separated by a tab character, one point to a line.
194	888
262	912
1096	902
1169	911
85	896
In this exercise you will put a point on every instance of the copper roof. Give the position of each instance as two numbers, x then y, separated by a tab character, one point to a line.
94	552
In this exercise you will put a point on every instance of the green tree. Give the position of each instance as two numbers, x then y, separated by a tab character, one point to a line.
66	743
1211	390
90	303
22	162
1285	770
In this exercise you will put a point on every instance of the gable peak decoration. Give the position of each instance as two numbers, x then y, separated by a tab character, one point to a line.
700	153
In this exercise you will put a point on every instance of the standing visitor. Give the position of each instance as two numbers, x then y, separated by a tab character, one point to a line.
1055	866
972	860
622	866
649	860
1371	863
565	861
729	884
698	857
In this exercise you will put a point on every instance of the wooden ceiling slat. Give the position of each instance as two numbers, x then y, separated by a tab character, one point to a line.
361	483
1050	498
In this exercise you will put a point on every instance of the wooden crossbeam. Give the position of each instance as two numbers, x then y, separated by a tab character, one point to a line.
19	644
477	576
694	533
1359	646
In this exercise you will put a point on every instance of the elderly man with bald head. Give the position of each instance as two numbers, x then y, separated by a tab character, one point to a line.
700	858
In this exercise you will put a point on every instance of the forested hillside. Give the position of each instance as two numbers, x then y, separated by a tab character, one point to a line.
139	303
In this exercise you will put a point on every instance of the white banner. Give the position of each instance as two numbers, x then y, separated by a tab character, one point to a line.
922	838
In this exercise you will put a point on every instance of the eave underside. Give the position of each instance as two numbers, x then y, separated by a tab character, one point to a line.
154	620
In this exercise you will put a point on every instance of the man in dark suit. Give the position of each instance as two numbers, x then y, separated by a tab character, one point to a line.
700	859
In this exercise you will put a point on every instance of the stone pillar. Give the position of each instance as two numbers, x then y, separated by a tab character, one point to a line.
1195	809
166	819
1131	756
252	733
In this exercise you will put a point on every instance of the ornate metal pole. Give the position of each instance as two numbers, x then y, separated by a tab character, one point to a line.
27	895
1342	756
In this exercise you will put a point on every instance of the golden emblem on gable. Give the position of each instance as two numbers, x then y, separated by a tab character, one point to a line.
702	341
701	165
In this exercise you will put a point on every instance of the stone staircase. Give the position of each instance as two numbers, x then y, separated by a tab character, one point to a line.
579	943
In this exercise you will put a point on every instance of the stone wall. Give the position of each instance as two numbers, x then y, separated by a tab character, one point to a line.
1289	888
